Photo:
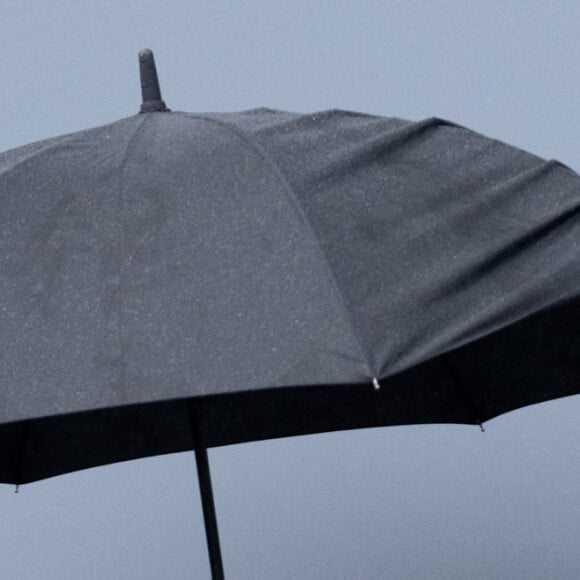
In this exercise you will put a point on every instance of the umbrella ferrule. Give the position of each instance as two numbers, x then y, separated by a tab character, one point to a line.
152	101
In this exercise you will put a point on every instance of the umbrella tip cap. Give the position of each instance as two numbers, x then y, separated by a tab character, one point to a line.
152	101
145	54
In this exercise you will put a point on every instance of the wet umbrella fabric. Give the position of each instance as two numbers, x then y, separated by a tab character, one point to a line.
175	279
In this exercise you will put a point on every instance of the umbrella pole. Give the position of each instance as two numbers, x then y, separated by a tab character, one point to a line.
206	492
211	529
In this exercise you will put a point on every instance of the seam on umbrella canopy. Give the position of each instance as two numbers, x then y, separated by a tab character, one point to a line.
142	120
37	148
275	170
123	251
49	145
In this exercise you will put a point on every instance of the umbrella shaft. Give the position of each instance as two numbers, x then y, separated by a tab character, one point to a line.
211	529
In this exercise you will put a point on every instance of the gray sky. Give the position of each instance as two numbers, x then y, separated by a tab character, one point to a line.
442	502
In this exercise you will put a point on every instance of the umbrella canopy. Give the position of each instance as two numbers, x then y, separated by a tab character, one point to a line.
226	277
274	264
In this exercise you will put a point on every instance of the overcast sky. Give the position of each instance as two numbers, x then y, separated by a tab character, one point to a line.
442	502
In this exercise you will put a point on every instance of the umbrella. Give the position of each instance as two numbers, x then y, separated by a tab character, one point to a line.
177	281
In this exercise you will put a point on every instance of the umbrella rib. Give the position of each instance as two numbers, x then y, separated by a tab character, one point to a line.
22	445
131	141
446	359
277	172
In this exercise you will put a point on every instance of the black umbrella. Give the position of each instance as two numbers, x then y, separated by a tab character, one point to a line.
178	281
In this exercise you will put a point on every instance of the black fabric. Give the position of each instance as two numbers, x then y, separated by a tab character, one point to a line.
271	265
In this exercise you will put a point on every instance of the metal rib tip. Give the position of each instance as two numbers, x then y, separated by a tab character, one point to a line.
150	90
